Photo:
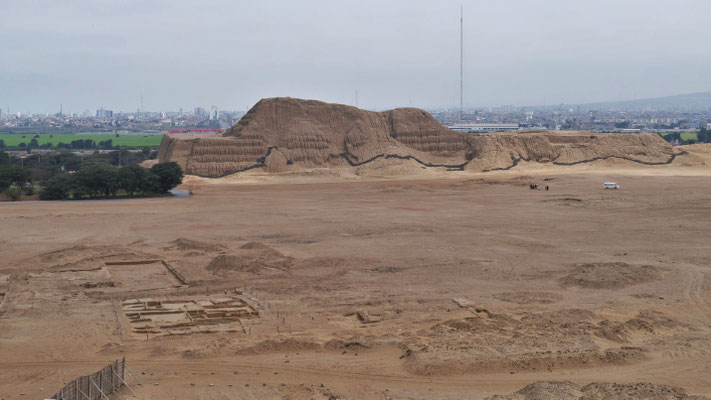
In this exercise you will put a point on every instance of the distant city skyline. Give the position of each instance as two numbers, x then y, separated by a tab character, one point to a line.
87	54
688	114
641	103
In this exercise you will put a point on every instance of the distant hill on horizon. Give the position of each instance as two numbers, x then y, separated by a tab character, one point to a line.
700	101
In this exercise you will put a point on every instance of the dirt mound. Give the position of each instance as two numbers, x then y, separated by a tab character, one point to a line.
492	341
610	275
82	257
529	297
189	244
544	391
223	263
444	364
283	134
253	257
567	338
567	202
74	253
598	391
261	250
256	246
111	348
278	346
293	344
637	391
645	322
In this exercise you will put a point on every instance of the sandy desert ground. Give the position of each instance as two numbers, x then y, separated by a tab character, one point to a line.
422	287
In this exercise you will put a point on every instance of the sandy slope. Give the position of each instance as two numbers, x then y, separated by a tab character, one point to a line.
399	285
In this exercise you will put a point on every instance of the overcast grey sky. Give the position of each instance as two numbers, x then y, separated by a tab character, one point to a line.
91	53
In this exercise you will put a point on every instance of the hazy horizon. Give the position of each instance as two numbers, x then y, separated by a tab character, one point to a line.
90	54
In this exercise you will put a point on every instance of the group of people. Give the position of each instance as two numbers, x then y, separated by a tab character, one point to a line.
533	186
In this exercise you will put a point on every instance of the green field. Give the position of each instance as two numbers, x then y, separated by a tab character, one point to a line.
686	135
689	136
12	140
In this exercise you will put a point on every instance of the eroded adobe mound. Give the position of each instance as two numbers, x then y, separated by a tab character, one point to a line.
281	134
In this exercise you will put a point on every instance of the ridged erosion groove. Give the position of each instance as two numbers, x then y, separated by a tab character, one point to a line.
453	167
450	167
515	161
669	161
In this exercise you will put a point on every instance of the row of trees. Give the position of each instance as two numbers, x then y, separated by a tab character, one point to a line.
65	175
704	136
13	178
81	144
43	166
106	180
87	144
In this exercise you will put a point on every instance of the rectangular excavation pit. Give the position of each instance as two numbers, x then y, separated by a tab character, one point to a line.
142	275
186	316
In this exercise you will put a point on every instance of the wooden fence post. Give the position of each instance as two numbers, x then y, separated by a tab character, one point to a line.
100	384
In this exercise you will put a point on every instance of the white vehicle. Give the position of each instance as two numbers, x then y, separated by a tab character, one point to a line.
610	185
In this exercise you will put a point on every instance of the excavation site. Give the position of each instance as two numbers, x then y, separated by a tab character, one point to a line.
330	252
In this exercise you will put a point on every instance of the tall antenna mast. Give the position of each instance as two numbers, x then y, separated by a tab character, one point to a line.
461	62
141	103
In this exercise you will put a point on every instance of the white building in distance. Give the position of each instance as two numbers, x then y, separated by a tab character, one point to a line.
481	128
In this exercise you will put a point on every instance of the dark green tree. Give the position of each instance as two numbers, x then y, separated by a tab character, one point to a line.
57	188
168	174
106	144
98	179
134	179
12	175
70	161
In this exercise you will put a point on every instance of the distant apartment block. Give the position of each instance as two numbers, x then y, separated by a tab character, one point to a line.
214	113
101	113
